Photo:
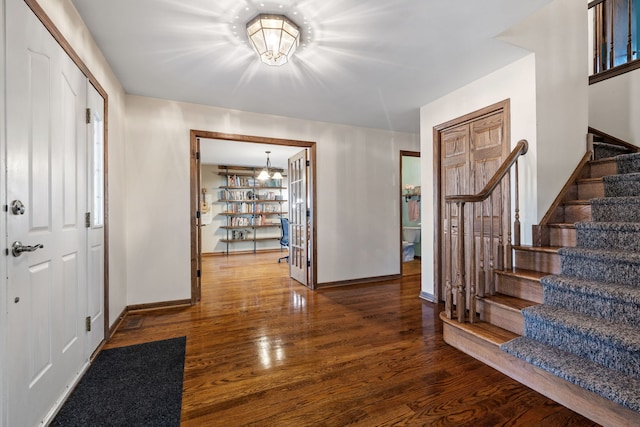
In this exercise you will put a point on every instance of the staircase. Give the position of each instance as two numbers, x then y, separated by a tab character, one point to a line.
564	321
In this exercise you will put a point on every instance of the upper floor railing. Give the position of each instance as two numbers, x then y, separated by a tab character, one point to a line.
616	38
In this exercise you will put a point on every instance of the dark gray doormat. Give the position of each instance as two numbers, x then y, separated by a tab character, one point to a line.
138	385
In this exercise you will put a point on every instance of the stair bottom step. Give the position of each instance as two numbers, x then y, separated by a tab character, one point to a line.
608	383
482	342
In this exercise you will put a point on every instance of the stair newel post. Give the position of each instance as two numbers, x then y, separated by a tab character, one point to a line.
448	291
461	306
481	275
472	267
491	247
516	221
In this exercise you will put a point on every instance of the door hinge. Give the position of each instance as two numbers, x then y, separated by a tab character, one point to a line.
88	117
198	273
87	323
308	213
197	155
5	208
308	162
308	263
198	214
87	219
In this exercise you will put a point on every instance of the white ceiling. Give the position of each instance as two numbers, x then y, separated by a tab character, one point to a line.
369	63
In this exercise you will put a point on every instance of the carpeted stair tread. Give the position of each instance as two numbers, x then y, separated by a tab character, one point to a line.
624	336
604	150
628	163
605	265
615	209
611	344
625	185
609	301
601	254
610	235
608	383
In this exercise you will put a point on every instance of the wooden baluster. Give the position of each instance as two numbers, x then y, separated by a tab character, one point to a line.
461	307
629	37
481	276
491	257
612	33
597	38
448	292
516	222
509	248
472	267
500	256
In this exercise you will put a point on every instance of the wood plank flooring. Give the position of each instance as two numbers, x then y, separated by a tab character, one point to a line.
263	350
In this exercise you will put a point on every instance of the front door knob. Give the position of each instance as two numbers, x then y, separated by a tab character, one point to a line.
17	248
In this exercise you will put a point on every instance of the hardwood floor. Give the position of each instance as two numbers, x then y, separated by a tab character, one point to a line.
263	350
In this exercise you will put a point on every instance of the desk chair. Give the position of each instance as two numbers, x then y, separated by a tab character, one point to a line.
284	237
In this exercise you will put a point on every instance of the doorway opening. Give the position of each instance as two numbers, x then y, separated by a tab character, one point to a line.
239	214
410	209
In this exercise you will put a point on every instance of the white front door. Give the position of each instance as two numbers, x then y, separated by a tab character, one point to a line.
298	218
95	208
46	171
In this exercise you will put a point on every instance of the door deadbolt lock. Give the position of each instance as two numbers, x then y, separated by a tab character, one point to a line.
17	208
17	248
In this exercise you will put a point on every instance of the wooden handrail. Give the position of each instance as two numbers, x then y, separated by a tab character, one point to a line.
521	148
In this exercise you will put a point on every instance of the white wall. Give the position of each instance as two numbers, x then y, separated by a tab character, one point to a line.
516	82
357	193
65	17
548	92
614	106
558	35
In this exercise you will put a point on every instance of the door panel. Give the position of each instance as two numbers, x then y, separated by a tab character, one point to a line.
46	169
298	221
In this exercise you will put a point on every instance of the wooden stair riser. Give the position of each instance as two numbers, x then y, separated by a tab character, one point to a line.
538	261
562	236
590	189
519	287
503	317
600	169
577	213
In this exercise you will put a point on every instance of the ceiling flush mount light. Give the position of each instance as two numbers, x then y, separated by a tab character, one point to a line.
264	174
274	37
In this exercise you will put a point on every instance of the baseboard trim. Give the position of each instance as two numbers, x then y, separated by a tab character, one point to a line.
427	297
223	253
159	305
358	281
117	323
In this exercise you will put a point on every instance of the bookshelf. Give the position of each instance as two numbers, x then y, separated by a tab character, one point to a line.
252	208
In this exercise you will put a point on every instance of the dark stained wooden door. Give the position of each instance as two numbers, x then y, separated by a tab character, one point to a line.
471	152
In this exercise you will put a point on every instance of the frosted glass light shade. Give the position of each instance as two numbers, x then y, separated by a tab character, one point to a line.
263	175
274	38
